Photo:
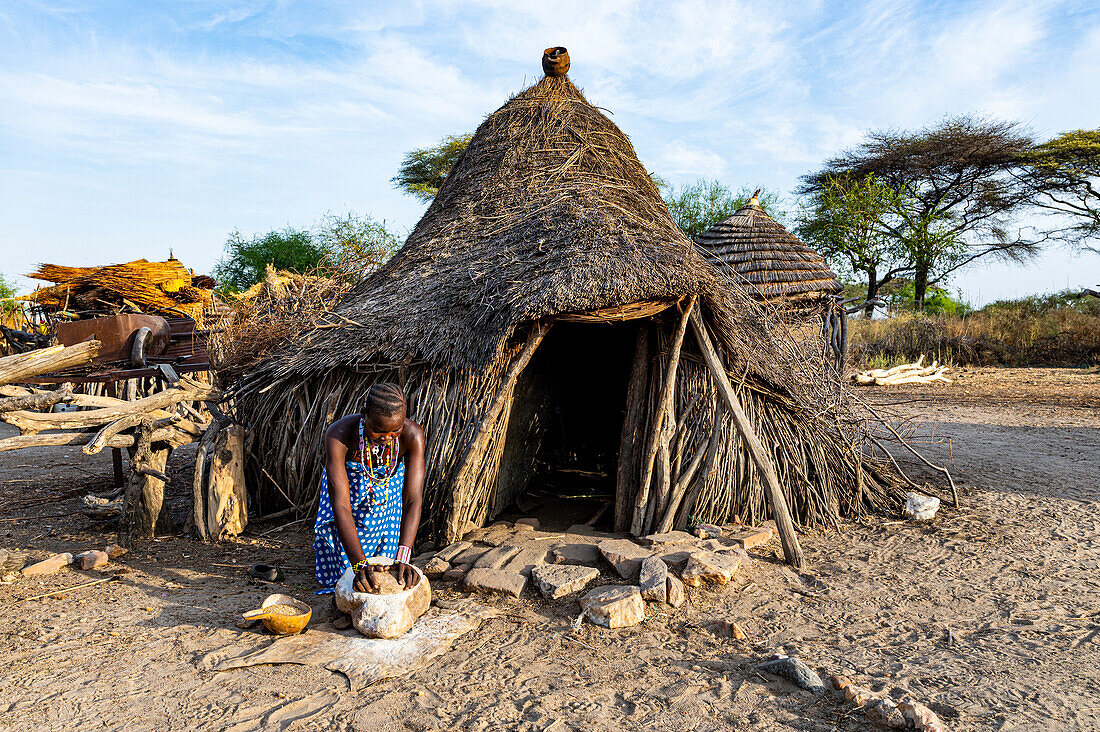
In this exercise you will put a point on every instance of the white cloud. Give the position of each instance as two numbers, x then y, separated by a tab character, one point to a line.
679	158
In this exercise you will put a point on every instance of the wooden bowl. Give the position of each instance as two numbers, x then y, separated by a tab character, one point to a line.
281	624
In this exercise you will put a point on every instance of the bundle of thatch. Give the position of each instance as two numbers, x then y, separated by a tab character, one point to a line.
771	262
275	309
548	276
161	288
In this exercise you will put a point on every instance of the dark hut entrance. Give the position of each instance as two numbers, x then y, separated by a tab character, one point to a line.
562	445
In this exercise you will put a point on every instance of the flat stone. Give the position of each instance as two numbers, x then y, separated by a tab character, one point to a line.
709	567
575	554
383	616
448	553
469	555
795	671
707	531
559	580
49	566
674	590
624	555
531	522
496	557
749	537
495	580
614	606
670	537
586	530
114	551
885	713
495	535
454	574
720	545
387	584
91	560
677	554
653	579
436	566
527	558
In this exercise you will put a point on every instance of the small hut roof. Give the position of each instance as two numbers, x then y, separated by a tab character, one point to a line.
548	211
771	261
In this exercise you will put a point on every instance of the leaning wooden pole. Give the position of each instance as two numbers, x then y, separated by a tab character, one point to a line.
664	404
792	552
485	431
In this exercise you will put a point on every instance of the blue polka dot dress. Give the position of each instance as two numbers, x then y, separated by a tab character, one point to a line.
378	524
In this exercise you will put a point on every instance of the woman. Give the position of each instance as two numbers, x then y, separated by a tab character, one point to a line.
374	485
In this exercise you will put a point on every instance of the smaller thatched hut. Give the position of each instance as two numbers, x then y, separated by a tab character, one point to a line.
776	267
773	263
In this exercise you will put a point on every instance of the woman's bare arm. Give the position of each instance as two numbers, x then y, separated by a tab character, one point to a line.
412	492
339	494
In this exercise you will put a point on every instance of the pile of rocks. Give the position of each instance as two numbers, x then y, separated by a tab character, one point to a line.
506	558
93	559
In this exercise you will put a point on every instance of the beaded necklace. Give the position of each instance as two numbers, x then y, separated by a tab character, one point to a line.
378	475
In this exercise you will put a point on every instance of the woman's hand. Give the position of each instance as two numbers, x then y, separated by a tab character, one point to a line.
406	575
365	580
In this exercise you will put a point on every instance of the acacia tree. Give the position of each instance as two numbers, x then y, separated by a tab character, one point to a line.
354	245
1063	175
423	170
695	207
957	191
845	224
246	259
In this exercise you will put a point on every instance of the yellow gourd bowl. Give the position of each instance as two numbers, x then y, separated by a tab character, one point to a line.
278	623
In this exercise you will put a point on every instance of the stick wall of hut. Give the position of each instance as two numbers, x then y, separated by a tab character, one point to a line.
633	429
664	405
464	485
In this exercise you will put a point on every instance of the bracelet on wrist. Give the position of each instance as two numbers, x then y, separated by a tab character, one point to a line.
360	566
404	553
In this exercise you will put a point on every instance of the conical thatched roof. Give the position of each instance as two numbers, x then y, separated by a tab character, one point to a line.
771	261
548	211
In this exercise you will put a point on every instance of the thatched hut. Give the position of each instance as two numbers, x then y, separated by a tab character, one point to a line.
539	314
776	267
772	263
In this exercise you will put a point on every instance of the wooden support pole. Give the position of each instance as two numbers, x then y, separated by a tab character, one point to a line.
632	426
664	404
792	552
455	518
143	500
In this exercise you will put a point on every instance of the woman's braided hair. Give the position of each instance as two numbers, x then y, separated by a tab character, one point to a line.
384	399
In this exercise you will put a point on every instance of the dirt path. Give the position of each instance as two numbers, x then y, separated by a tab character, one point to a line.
990	614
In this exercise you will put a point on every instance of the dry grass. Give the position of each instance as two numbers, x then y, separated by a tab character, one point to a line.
166	288
1039	331
282	306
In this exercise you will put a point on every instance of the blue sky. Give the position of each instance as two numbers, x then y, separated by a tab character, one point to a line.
128	128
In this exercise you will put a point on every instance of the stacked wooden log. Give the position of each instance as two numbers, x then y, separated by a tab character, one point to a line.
908	373
150	428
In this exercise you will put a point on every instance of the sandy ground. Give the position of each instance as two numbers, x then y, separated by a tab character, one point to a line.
990	614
